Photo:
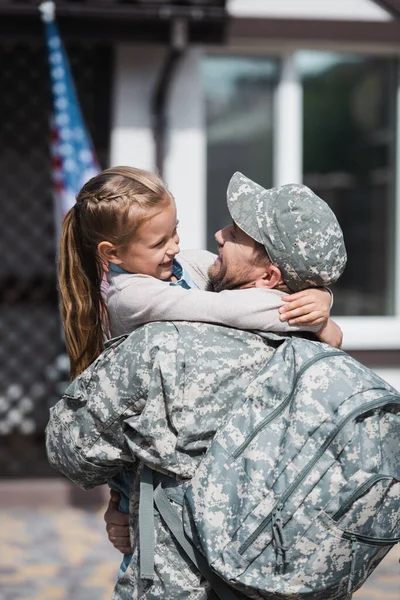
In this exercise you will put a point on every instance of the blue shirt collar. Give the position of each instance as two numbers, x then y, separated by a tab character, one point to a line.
115	268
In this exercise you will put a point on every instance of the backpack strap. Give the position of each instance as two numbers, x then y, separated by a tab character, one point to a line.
148	480
146	523
175	525
159	497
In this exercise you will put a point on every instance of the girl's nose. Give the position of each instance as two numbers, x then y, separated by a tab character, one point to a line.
173	247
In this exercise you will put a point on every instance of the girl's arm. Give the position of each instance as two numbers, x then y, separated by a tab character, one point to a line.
137	299
331	334
309	307
312	306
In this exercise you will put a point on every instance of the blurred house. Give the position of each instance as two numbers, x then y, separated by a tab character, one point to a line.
282	90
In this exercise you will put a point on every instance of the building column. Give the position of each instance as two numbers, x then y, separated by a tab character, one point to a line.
185	162
136	68
288	130
395	266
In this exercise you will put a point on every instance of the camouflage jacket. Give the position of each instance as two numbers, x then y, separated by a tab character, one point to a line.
157	396
319	444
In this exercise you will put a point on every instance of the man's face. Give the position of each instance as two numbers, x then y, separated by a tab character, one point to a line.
238	264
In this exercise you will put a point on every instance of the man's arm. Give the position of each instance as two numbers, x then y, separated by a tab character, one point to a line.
85	434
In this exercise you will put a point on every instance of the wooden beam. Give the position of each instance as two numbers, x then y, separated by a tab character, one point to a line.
113	20
387	32
110	30
115	9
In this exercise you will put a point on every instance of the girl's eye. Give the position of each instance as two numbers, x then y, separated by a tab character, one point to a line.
159	244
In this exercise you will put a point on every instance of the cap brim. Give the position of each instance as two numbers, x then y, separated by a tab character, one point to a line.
242	197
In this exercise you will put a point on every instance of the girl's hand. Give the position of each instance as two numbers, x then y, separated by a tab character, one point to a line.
308	307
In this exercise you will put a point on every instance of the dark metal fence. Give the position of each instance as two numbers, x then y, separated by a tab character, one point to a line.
33	369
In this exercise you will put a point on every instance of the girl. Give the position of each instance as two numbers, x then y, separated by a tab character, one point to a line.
125	218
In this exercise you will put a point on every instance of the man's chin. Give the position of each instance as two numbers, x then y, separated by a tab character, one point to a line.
214	270
219	280
213	275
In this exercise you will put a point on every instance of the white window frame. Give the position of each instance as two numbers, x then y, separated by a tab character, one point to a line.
356	10
360	333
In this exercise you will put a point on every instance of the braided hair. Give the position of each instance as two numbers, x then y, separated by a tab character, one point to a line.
111	206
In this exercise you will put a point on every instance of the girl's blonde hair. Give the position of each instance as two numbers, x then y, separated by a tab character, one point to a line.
111	206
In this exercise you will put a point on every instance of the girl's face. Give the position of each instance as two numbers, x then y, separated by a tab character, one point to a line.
155	245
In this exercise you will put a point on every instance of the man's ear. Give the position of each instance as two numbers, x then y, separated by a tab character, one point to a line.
108	253
271	279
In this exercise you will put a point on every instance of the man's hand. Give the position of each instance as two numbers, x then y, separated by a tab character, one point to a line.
117	525
308	307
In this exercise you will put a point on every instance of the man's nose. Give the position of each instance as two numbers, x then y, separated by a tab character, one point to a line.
219	238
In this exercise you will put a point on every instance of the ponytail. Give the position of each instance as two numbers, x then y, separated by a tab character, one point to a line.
111	206
83	309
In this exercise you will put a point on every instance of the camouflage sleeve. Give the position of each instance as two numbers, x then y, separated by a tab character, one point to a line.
152	434
85	435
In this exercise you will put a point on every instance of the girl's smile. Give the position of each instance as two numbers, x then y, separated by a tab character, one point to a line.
155	246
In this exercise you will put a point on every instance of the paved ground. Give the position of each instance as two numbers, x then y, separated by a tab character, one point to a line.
55	555
63	554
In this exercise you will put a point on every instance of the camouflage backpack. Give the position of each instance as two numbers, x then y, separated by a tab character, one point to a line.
299	494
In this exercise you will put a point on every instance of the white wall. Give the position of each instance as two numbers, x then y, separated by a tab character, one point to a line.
392	376
132	142
352	10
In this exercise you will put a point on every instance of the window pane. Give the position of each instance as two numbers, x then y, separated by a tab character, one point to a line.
349	151
239	117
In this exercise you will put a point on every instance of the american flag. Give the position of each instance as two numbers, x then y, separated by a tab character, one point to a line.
72	153
73	157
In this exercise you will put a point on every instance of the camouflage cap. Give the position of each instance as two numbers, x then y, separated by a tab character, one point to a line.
298	230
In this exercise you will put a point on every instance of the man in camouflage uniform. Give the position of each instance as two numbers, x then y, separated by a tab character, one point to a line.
158	396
